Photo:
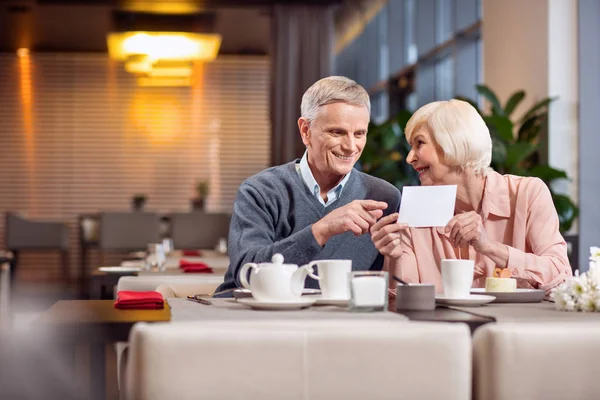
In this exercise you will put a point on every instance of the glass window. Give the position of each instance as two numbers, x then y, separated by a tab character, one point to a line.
444	20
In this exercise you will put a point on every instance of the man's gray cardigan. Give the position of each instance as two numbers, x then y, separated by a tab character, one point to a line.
273	213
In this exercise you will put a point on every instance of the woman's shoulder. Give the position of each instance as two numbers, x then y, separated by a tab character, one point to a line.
525	187
517	182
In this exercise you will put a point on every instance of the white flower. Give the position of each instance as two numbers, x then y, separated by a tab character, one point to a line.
594	253
563	299
582	291
586	302
578	285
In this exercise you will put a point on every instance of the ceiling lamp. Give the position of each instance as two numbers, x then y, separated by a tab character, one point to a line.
171	69
138	64
147	81
154	45
164	45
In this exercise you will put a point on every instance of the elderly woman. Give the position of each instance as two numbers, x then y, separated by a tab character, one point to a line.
502	221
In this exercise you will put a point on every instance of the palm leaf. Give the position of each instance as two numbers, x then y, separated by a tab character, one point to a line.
501	125
491	97
513	102
533	110
518	152
547	173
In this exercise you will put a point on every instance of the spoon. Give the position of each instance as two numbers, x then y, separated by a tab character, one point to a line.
199	299
399	280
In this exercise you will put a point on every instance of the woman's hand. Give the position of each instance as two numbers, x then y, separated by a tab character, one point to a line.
385	235
467	229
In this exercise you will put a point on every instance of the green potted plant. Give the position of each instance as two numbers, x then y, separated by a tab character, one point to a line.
202	190
516	145
138	201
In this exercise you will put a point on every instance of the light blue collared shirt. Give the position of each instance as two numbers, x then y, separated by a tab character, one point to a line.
306	174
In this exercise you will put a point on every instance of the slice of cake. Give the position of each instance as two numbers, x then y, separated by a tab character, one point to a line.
501	281
500	284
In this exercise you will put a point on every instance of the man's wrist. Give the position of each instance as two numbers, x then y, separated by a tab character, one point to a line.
319	233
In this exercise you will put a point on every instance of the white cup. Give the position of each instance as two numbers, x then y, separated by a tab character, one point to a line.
333	277
457	277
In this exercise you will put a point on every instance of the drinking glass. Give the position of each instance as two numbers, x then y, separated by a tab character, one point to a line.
368	291
168	247
156	258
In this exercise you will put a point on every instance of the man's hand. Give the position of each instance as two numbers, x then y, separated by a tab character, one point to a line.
386	234
357	217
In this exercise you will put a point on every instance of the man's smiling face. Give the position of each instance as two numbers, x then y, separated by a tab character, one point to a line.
335	139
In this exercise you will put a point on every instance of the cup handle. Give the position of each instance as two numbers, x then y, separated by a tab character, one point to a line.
310	271
244	272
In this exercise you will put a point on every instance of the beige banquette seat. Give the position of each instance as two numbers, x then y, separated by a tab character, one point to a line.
299	359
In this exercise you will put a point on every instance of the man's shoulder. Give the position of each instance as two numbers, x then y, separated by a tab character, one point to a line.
374	188
378	185
272	176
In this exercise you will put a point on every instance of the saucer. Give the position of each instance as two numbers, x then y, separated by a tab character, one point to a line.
120	269
519	296
472	300
246	293
299	304
322	301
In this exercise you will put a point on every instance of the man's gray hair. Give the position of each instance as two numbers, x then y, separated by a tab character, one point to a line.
333	89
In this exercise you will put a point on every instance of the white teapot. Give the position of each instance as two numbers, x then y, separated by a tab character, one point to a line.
274	281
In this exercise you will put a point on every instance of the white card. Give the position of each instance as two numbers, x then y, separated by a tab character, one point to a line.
427	206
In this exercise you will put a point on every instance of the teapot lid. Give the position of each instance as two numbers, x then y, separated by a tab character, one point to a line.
277	258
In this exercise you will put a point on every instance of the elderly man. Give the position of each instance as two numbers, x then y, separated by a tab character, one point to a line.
318	207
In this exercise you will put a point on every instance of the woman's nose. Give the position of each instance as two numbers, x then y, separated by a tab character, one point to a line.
411	157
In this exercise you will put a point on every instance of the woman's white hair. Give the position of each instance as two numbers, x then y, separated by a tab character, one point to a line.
333	89
459	130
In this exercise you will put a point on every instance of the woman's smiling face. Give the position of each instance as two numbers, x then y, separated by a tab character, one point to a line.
427	158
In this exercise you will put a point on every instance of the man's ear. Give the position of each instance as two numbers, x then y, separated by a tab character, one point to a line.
304	127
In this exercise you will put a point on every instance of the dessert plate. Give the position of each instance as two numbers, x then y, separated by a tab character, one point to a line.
299	304
471	301
520	296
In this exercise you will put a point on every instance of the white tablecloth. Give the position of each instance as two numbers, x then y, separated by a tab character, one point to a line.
529	312
229	309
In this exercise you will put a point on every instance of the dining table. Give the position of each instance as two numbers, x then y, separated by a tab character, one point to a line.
103	280
97	323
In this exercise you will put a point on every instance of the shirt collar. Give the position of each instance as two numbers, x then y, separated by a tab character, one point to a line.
313	186
496	199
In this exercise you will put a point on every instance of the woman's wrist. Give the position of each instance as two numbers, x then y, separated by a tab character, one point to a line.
497	252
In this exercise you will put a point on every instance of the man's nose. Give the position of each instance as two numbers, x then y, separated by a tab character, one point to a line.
348	142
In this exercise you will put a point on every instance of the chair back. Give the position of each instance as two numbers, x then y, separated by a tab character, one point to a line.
128	231
25	234
299	359
5	318
198	230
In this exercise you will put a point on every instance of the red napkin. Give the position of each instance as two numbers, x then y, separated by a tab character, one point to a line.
194	267
129	299
192	253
